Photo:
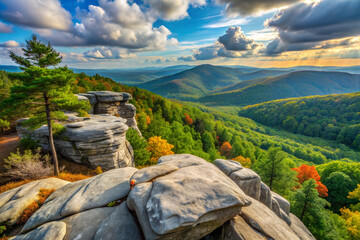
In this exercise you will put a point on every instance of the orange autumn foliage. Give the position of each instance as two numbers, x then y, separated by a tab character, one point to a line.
188	119
306	172
148	120
12	185
225	149
44	193
72	177
245	162
159	147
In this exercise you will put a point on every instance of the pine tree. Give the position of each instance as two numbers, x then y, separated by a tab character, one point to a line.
43	92
275	171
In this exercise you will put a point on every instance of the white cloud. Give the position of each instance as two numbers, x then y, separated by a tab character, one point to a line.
10	44
36	14
109	53
228	22
235	40
173	9
116	24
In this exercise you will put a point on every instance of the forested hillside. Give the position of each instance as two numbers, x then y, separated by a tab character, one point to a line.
296	84
332	117
201	80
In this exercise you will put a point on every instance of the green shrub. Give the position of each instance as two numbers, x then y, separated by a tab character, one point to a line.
28	165
28	143
58	129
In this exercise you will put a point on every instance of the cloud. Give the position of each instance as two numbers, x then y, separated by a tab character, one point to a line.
235	40
5	28
115	24
248	7
186	58
10	44
108	53
227	23
36	14
304	25
233	44
173	9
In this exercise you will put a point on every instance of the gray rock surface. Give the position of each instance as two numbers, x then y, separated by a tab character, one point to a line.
299	228
227	166
120	225
197	194
83	195
248	181
48	231
83	225
99	141
266	222
182	197
283	203
15	201
265	195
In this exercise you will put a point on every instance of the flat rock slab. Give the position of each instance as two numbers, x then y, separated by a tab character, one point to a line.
227	166
15	201
48	231
108	96
197	194
83	195
266	222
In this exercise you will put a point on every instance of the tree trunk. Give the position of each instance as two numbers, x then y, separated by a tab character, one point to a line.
51	139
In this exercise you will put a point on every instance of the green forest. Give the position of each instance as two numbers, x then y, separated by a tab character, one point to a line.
332	117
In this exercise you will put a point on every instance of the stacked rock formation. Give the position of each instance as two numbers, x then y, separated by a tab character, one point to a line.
98	140
182	197
113	103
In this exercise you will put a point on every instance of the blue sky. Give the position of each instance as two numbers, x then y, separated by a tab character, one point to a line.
141	33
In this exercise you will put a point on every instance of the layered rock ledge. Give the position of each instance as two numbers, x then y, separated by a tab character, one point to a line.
97	140
182	197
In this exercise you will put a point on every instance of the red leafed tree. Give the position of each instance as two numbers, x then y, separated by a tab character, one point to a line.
306	172
225	149
188	119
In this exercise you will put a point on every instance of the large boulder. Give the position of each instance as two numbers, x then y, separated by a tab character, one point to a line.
83	195
188	202
15	201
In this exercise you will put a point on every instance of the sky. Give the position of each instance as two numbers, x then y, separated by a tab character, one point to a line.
159	33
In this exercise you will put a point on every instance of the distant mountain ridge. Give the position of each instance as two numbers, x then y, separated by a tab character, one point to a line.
295	84
202	80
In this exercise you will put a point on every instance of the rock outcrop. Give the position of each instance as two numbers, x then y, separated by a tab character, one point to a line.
113	103
182	197
98	140
250	182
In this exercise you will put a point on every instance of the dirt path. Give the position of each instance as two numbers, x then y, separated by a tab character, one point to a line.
8	144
